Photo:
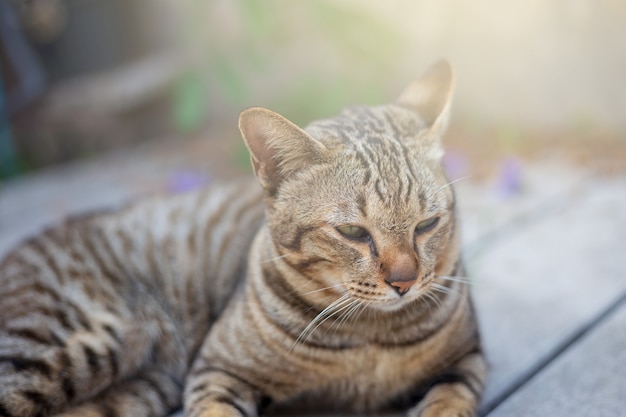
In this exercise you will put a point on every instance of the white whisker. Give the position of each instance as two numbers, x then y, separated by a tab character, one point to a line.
463	280
443	289
451	182
344	317
363	309
275	258
341	308
329	311
322	289
433	298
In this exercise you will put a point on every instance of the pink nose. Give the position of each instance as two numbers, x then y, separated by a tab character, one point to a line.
402	272
402	287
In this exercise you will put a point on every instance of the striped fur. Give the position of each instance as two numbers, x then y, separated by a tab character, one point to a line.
241	297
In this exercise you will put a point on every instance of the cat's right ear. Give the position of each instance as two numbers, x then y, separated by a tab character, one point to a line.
278	148
430	96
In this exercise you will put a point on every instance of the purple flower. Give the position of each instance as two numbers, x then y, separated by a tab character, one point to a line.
509	182
182	181
455	164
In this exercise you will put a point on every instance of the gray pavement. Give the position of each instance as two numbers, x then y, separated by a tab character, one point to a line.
547	265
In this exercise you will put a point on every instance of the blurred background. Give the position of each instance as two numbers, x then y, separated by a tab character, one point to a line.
86	77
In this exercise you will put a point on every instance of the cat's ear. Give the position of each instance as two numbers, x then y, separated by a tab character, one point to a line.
430	96
278	148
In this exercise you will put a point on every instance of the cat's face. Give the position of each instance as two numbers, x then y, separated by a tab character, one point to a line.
359	203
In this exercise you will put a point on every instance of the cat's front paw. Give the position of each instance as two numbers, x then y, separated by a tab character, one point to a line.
449	407
218	409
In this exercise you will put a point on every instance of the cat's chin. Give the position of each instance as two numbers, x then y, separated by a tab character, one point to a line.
390	306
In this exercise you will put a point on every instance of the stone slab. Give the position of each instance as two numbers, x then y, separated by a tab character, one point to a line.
539	285
589	379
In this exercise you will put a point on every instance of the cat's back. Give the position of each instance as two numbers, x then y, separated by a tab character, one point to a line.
179	249
118	297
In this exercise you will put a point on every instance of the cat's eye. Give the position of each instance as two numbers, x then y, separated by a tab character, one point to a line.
353	232
426	225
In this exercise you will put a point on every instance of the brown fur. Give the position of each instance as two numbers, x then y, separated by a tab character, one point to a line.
352	296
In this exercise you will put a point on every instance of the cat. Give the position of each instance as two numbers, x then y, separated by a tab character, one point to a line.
337	284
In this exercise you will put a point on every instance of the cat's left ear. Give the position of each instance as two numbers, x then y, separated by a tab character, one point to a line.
278	148
430	96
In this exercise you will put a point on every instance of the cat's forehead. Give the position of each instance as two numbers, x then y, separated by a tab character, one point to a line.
380	166
364	124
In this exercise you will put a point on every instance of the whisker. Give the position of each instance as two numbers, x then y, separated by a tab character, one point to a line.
356	304
451	182
322	289
275	258
323	316
433	298
343	307
443	289
463	280
363	309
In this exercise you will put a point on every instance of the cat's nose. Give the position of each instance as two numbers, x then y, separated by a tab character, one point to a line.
402	287
403	274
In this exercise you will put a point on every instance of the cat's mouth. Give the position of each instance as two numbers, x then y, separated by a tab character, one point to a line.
388	302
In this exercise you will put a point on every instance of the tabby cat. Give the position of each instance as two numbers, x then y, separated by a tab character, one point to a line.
336	285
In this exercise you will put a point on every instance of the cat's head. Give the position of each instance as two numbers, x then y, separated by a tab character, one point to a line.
361	202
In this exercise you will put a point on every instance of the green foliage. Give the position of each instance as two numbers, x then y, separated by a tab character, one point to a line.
189	106
304	59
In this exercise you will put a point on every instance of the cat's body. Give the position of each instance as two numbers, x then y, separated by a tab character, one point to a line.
344	299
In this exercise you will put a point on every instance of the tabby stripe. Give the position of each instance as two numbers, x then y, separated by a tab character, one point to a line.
60	315
307	263
209	228
114	260
450	378
107	410
223	399
200	387
365	165
68	388
92	359
422	336
361	204
397	193
372	158
287	331
96	254
28	288
379	192
151	255
29	334
390	122
111	331
212	369
405	153
81	317
296	239
192	407
25	364
39	399
422	198
48	259
279	286
300	266
157	389
241	212
113	362
409	189
4	412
